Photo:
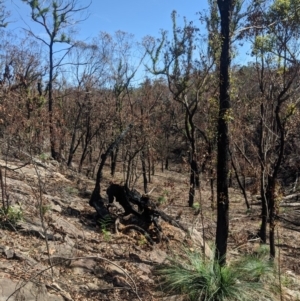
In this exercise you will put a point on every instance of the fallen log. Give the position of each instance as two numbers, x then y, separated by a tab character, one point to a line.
146	217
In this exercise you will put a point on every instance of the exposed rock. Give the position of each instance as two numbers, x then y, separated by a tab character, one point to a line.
23	257
34	228
114	269
146	269
30	292
9	253
120	281
82	266
64	226
146	279
157	256
197	239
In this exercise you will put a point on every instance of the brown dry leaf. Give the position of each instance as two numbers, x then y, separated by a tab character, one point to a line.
52	251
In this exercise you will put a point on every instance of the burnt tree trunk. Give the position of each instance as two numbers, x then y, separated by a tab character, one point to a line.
194	180
264	212
144	171
114	156
241	185
272	180
225	9
96	200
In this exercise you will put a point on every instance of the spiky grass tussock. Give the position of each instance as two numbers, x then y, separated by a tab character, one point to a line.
202	279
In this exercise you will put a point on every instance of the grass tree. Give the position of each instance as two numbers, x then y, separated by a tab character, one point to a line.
197	278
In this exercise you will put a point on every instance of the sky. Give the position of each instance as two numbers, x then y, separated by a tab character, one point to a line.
138	17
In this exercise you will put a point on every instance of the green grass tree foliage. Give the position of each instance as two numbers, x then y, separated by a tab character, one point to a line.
58	19
203	279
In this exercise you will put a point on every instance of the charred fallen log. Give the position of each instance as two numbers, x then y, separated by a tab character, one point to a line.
147	215
124	197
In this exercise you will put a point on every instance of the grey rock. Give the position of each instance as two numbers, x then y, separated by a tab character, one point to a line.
30	292
23	257
144	268
9	253
83	266
114	269
67	227
157	256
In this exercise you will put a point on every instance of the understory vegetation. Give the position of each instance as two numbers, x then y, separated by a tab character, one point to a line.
197	278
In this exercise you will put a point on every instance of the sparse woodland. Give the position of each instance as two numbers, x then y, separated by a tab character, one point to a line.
125	116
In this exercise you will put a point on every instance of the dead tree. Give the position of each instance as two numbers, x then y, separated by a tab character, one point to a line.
96	200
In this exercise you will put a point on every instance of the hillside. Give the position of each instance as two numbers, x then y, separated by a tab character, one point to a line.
58	250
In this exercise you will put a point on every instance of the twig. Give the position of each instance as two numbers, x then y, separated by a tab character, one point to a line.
13	169
40	199
279	268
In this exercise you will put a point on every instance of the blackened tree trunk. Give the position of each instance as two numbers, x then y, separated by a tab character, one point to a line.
54	153
144	171
272	180
225	9
264	212
96	200
73	144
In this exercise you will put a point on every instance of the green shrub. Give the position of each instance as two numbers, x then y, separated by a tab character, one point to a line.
10	216
200	279
44	157
104	225
161	200
196	206
71	190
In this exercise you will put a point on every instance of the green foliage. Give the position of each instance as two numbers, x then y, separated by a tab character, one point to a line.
290	111
196	206
228	115
281	7
142	241
163	198
44	157
263	45
45	209
71	190
104	225
199	278
10	216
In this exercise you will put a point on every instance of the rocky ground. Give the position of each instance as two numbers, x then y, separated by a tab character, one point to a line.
58	251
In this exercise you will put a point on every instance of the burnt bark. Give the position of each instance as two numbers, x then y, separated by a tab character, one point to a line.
241	185
144	171
225	9
96	200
